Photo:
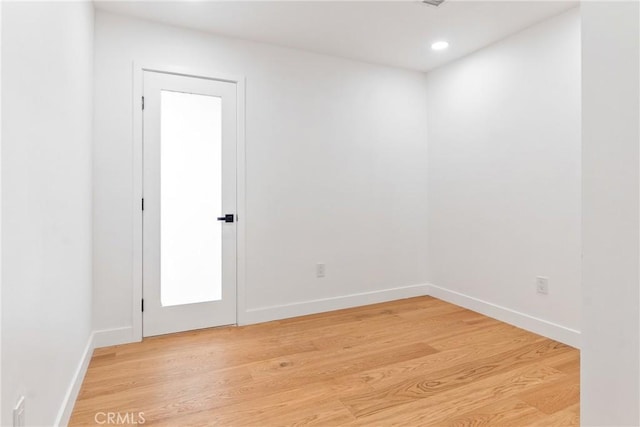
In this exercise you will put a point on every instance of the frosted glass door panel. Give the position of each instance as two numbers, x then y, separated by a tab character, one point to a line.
191	198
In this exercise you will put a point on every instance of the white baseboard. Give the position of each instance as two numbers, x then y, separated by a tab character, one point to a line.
97	339
115	336
124	335
64	414
533	324
266	314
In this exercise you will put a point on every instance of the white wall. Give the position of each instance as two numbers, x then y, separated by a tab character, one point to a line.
504	178
336	154
610	380
46	202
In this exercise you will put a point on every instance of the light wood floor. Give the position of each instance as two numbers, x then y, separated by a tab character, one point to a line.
417	362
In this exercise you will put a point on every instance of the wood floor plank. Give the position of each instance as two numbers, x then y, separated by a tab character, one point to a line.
554	396
440	408
471	335
299	406
569	363
416	362
421	387
567	417
338	362
432	364
508	412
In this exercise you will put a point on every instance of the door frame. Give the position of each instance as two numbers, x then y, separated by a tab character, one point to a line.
137	138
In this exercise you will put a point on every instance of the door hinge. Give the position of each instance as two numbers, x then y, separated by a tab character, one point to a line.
142	305
143	102
142	203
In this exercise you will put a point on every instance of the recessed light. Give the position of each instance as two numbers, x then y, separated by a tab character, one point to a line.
433	2
440	45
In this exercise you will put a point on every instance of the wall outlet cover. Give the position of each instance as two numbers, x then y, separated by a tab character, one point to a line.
320	270
542	285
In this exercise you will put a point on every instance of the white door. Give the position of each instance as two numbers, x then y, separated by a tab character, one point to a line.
189	203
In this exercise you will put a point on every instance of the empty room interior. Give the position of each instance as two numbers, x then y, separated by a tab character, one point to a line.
269	213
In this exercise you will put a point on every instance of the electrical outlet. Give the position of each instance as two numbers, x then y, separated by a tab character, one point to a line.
320	270
18	413
542	285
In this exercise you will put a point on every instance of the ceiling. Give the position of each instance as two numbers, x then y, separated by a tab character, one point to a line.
396	33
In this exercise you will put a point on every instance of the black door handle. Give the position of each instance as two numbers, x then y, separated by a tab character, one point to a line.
226	218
